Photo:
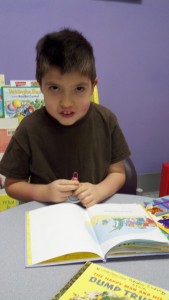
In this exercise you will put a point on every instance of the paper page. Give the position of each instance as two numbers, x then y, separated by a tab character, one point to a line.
58	230
117	223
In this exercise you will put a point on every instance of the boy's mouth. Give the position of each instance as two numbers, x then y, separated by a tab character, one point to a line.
67	113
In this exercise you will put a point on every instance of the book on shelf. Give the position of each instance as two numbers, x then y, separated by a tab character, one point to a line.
93	282
7	129
2	83
1	105
2	79
20	101
159	211
24	83
67	233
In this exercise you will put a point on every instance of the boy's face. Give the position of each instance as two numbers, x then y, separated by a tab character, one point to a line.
67	96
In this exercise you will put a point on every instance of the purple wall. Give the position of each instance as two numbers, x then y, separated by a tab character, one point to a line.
131	43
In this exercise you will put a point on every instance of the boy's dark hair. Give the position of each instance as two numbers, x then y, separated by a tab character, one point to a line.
67	50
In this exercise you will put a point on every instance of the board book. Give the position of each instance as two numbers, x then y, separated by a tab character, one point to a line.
97	282
67	233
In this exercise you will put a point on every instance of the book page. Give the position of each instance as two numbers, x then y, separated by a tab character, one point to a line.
59	230
115	224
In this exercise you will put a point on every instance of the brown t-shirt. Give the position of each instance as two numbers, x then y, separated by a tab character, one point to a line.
44	150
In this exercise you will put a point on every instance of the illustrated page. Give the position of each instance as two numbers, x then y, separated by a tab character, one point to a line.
117	223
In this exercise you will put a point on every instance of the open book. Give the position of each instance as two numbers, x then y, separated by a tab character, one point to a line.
68	233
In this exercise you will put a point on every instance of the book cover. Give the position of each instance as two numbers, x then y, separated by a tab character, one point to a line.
159	211
19	102
6	202
2	79
24	83
96	282
53	233
7	129
95	96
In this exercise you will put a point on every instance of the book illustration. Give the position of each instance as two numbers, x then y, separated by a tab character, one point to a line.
95	282
21	101
95	295
159	210
110	226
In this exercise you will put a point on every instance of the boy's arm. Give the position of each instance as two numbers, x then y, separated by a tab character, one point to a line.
56	191
90	194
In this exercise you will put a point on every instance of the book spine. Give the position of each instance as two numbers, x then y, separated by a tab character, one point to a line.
71	281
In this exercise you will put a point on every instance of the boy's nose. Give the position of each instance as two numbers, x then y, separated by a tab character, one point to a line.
66	100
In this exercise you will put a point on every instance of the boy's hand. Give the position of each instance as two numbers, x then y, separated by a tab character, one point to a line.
60	190
87	193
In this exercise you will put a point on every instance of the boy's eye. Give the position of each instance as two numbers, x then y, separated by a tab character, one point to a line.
80	89
54	88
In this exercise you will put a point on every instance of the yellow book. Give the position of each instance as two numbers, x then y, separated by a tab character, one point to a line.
7	202
95	96
96	282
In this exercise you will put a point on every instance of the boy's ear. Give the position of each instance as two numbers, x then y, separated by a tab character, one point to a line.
95	82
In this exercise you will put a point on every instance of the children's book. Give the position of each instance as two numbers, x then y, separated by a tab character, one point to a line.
159	211
24	83
7	129
95	96
2	79
96	282
6	202
20	101
67	233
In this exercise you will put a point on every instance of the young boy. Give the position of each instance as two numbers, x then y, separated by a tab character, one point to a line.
70	134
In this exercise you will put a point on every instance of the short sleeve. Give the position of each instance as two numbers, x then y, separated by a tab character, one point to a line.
120	149
15	162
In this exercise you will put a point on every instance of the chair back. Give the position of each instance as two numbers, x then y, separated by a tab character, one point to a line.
130	185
